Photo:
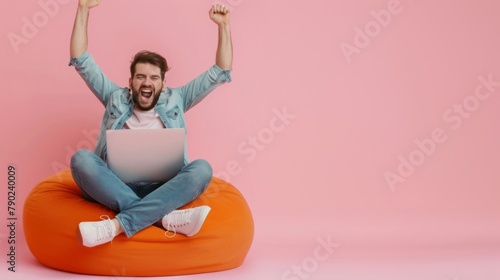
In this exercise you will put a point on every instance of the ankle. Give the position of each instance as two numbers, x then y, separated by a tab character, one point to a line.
118	227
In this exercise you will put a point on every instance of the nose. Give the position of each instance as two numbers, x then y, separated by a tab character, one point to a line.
148	82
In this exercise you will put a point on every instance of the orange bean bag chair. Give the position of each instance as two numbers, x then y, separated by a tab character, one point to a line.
55	207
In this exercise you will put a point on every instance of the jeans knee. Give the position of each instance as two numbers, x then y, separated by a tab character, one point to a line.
203	169
79	158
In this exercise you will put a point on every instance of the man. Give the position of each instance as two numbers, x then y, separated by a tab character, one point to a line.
147	103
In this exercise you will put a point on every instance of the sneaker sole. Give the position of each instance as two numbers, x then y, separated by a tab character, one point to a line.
203	216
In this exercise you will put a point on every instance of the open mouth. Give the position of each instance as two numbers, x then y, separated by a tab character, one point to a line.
146	94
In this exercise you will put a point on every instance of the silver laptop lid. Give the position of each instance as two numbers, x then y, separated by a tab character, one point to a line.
145	155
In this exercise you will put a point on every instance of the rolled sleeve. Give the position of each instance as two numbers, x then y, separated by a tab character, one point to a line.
78	61
93	76
221	75
196	90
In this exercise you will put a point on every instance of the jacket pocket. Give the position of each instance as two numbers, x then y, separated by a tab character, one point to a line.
112	111
175	116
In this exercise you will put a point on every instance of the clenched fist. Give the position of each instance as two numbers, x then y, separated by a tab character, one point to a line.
219	14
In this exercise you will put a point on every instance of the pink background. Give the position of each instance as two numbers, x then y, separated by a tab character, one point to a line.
320	174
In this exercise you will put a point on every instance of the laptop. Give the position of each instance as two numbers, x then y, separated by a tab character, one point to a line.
145	155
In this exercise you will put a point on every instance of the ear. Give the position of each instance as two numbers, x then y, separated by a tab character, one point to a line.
130	82
164	87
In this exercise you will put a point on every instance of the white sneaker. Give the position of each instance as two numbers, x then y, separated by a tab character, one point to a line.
186	221
97	233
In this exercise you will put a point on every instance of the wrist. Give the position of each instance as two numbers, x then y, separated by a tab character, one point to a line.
83	8
223	26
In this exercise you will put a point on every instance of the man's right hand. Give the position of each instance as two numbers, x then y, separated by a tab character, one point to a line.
89	3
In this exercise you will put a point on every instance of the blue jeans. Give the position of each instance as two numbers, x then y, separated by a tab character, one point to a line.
138	205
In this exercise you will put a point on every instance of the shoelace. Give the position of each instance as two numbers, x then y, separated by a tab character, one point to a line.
104	230
177	219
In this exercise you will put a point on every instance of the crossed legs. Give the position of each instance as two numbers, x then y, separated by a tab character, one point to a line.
143	204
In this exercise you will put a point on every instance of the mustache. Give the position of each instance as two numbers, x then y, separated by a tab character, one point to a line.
147	87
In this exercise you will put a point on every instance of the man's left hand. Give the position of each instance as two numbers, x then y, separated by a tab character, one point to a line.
219	14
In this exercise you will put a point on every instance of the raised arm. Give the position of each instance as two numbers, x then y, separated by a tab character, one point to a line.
79	39
220	15
88	69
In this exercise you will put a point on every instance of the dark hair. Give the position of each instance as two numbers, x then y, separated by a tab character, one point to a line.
151	58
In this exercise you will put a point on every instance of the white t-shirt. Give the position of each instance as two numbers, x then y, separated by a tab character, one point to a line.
144	120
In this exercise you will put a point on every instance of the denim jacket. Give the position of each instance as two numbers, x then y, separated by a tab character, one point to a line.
171	106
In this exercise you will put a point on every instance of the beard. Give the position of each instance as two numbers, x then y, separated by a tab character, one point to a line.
143	100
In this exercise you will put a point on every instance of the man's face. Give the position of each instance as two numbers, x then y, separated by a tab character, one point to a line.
146	86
